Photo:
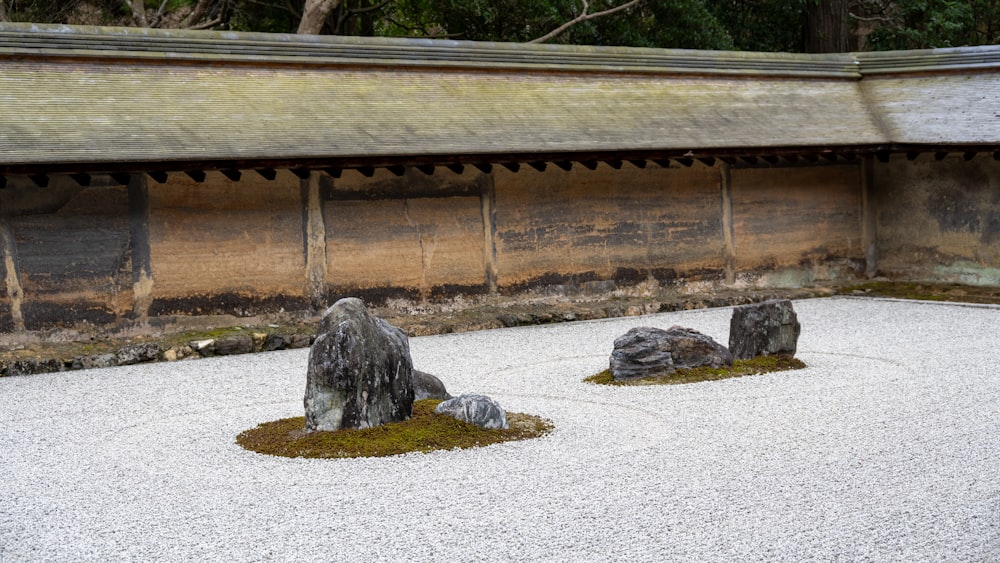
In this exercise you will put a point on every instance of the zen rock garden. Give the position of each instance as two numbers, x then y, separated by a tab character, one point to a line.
360	377
762	329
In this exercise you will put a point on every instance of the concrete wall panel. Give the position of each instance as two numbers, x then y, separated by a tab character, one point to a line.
413	247
607	224
211	242
785	217
939	220
72	248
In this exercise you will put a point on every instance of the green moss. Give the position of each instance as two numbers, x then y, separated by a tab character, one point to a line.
753	366
425	431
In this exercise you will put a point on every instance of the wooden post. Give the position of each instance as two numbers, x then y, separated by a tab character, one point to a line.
726	186
488	206
315	238
142	268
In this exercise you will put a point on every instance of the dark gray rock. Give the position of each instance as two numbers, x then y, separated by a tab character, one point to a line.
137	353
654	352
235	344
427	386
97	361
475	409
764	329
31	366
300	341
275	342
360	373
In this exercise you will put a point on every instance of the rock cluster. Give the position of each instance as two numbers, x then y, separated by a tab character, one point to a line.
654	352
142	352
359	373
764	329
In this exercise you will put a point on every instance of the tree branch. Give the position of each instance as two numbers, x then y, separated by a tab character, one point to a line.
199	11
584	16
138	9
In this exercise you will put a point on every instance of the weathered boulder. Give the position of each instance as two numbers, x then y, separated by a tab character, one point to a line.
137	353
475	409
764	329
235	344
360	373
427	386
654	352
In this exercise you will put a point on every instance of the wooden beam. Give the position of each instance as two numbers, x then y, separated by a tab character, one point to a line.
749	159
685	162
882	155
232	174
829	156
770	159
366	171
82	180
638	163
996	155
969	155
589	164
40	180
540	166
484	167
333	172
121	177
267	173
616	164
791	158
707	161
455	167
3	182
396	169
940	155
912	155
427	169
512	166
196	175
302	173
810	158
566	165
159	176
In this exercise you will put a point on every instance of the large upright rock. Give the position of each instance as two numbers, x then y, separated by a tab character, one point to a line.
764	329
654	352
359	373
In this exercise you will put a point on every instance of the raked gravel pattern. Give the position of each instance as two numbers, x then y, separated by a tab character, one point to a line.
886	448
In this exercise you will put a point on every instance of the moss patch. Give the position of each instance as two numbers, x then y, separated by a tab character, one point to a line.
753	366
926	291
425	431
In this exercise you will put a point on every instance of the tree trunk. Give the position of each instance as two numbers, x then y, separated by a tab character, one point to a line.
3	11
826	27
315	14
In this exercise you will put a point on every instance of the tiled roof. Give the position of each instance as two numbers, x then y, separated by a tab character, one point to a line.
92	99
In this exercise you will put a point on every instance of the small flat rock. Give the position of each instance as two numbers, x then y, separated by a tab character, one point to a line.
475	409
427	386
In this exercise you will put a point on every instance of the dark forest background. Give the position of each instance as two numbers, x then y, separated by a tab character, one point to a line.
751	25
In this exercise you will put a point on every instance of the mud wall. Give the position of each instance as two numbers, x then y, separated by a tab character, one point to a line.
111	253
939	220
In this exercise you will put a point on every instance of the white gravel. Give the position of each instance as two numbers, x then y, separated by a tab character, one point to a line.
887	448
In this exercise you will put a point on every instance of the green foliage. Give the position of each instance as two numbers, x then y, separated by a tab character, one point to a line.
753	366
752	25
425	431
920	24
